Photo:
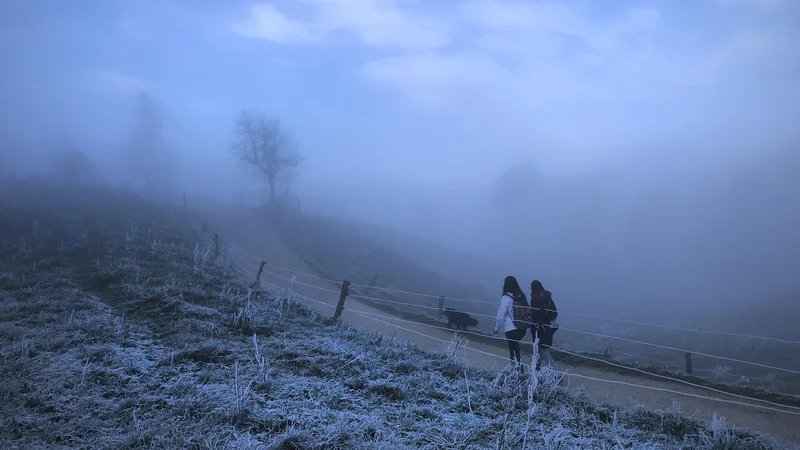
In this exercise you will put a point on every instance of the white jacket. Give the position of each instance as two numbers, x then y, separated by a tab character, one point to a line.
505	314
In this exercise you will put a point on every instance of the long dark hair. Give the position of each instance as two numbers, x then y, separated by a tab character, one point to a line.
536	286
510	286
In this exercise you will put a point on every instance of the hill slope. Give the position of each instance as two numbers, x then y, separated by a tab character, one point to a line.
120	329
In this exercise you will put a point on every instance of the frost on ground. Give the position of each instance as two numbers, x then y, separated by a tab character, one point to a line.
120	329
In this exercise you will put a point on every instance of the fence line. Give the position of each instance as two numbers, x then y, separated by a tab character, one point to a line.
365	314
665	377
243	272
371	315
665	347
640	386
297	272
592	316
568	329
590	344
677	366
388	323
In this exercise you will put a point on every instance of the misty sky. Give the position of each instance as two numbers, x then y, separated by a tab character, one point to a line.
454	91
661	135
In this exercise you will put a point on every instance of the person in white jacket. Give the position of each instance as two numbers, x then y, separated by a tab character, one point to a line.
505	318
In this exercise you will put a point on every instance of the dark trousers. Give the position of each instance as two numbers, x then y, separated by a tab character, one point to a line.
513	337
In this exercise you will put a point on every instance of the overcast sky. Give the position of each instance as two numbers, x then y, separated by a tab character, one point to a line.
408	110
452	90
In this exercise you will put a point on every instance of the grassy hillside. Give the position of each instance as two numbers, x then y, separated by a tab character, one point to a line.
344	250
354	250
119	329
456	265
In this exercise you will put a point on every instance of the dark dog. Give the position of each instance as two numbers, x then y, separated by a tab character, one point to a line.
459	319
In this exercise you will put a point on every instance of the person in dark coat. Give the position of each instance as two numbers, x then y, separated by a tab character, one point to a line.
545	322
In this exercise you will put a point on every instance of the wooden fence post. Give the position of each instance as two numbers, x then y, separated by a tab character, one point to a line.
258	276
216	245
441	303
688	363
342	296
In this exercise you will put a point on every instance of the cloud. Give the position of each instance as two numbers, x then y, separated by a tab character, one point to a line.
745	52
556	19
473	78
376	23
114	81
563	70
535	55
266	22
526	56
433	78
767	4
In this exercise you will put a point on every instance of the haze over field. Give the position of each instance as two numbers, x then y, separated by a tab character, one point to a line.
636	154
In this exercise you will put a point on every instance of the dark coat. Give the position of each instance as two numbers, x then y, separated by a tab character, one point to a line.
543	308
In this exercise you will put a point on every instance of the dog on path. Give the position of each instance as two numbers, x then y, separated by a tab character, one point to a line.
460	319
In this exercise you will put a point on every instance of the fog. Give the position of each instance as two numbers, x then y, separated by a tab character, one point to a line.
646	156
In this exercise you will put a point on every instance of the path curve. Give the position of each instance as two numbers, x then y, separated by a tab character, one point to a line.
253	234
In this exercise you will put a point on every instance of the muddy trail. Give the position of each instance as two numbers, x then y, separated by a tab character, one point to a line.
252	234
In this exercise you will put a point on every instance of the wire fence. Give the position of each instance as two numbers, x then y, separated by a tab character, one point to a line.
387	320
417	306
560	311
247	266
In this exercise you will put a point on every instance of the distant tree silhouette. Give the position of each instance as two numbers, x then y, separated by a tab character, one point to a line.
266	147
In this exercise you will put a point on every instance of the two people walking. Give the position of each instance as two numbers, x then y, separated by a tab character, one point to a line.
515	315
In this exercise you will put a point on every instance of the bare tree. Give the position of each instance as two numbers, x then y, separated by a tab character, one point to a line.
265	146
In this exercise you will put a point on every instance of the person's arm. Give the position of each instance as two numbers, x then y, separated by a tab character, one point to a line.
501	313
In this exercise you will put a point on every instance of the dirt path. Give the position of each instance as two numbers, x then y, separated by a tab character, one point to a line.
254	235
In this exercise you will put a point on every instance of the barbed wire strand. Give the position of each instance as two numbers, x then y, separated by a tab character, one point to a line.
477	334
671	391
665	347
297	272
763	380
578	355
633	322
593	316
564	328
243	272
492	317
607	336
665	363
677	380
590	344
